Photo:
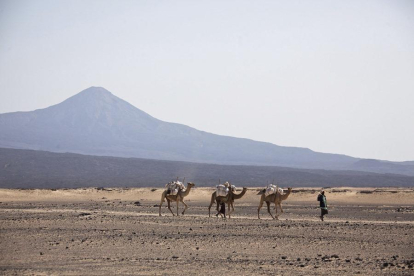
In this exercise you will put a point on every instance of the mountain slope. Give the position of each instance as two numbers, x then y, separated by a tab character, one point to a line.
96	122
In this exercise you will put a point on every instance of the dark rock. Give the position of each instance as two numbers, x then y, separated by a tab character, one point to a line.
84	214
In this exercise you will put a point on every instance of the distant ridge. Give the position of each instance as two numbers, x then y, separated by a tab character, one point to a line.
95	122
39	169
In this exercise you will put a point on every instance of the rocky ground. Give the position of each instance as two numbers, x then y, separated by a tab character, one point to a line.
108	232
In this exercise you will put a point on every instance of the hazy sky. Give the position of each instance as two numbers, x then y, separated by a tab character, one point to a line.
332	76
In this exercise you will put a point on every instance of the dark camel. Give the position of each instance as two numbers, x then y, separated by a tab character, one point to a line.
229	199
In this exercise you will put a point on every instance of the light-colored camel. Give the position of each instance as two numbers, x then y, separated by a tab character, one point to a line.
276	198
179	197
229	199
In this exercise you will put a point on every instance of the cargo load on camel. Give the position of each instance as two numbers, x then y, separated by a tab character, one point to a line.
174	187
272	189
223	189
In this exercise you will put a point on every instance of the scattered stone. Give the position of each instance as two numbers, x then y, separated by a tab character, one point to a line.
137	203
84	214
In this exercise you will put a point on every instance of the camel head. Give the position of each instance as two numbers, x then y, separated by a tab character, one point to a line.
190	184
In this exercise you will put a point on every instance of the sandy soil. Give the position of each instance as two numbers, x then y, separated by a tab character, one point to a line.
118	231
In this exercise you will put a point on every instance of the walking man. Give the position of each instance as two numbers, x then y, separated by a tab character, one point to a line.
322	204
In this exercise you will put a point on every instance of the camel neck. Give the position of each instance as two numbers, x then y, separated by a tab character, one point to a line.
187	191
238	196
285	196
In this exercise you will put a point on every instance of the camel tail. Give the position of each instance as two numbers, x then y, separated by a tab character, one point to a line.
261	192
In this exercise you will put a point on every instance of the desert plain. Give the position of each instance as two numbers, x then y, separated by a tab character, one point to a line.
117	231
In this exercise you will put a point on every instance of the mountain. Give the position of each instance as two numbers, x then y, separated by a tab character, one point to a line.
40	169
95	122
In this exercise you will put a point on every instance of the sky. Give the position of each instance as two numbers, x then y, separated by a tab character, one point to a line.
332	76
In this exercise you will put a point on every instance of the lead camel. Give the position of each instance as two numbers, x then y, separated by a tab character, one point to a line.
276	198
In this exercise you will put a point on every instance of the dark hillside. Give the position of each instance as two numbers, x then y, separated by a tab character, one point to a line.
40	169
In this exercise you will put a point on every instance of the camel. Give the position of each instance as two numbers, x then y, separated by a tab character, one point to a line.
179	197
276	198
229	199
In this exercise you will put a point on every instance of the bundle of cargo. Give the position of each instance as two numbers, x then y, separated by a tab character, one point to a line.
271	189
174	187
180	186
221	190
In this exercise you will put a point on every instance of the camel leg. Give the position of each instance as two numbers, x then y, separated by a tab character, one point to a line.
177	206
169	206
268	209
229	208
260	206
276	215
280	206
162	201
185	207
211	204
232	208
